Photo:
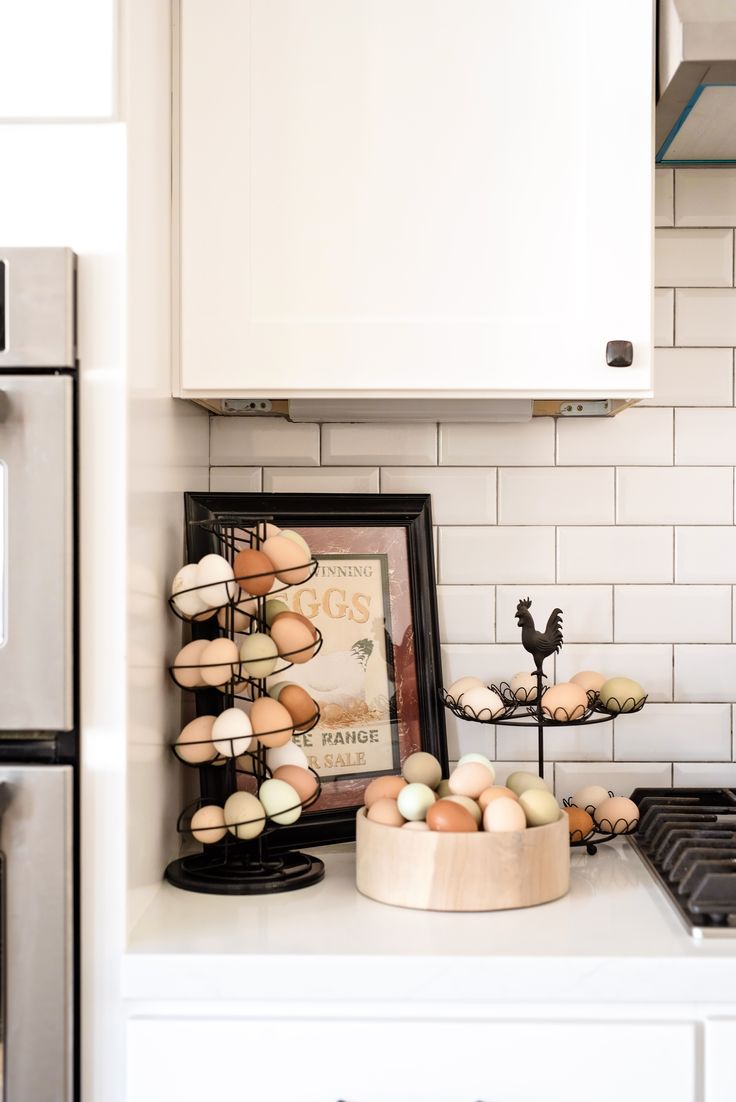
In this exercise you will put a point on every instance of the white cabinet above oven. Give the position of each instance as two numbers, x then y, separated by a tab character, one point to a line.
401	198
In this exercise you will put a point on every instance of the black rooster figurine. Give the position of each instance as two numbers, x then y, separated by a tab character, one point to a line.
540	644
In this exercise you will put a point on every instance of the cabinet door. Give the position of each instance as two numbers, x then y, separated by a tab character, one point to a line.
404	198
409	1061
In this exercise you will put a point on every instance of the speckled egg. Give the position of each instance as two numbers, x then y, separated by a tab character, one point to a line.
524	685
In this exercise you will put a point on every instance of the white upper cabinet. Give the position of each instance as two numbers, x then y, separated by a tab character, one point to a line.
413	197
58	60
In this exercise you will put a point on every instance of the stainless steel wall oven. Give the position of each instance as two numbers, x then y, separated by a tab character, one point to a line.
38	678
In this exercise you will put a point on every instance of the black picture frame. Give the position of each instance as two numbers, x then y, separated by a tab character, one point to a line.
412	512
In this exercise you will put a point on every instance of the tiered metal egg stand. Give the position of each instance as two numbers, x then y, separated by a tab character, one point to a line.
232	866
527	712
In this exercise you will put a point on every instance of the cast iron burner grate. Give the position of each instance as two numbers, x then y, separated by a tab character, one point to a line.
687	839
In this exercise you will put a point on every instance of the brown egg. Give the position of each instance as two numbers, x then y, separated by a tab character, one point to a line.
301	780
495	792
579	822
450	818
271	722
194	745
291	561
616	814
387	813
565	701
383	788
298	704
298	617
295	641
186	666
220	662
254	572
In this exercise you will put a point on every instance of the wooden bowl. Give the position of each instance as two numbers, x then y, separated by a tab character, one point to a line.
433	871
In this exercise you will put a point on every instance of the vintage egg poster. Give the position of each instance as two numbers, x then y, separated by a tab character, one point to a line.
364	677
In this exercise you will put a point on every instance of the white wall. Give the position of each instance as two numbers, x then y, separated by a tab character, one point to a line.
626	524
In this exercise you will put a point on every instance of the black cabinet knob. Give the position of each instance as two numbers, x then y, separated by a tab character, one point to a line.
619	354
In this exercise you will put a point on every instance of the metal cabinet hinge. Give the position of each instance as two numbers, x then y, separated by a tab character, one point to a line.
242	406
600	408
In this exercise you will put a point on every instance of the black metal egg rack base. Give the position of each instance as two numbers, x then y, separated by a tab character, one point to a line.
529	711
233	865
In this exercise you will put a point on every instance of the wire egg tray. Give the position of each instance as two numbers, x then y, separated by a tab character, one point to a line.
526	712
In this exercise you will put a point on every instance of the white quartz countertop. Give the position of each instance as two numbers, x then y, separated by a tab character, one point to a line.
612	938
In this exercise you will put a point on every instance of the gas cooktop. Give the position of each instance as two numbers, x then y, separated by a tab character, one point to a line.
687	839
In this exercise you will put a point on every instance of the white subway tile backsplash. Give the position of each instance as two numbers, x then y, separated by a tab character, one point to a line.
693	258
683	732
637	554
555	495
514	445
326	480
635	436
588	611
704	554
705	436
592	743
664	317
496	555
268	441
705	316
672	613
675	495
236	480
664	205
705	197
372	445
493	663
648	663
465	495
706	673
718	775
466	613
692	377
617	777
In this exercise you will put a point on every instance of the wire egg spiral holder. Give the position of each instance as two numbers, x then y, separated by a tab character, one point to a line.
237	859
526	708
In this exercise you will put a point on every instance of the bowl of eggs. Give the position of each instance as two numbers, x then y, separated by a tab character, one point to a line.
461	843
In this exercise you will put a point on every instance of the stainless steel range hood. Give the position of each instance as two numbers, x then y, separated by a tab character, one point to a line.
696	109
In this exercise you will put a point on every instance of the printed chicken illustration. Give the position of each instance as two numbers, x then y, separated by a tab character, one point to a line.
335	678
540	644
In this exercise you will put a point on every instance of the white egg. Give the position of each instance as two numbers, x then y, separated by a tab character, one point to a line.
590	796
216	574
188	604
462	684
288	754
482	702
232	733
524	685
